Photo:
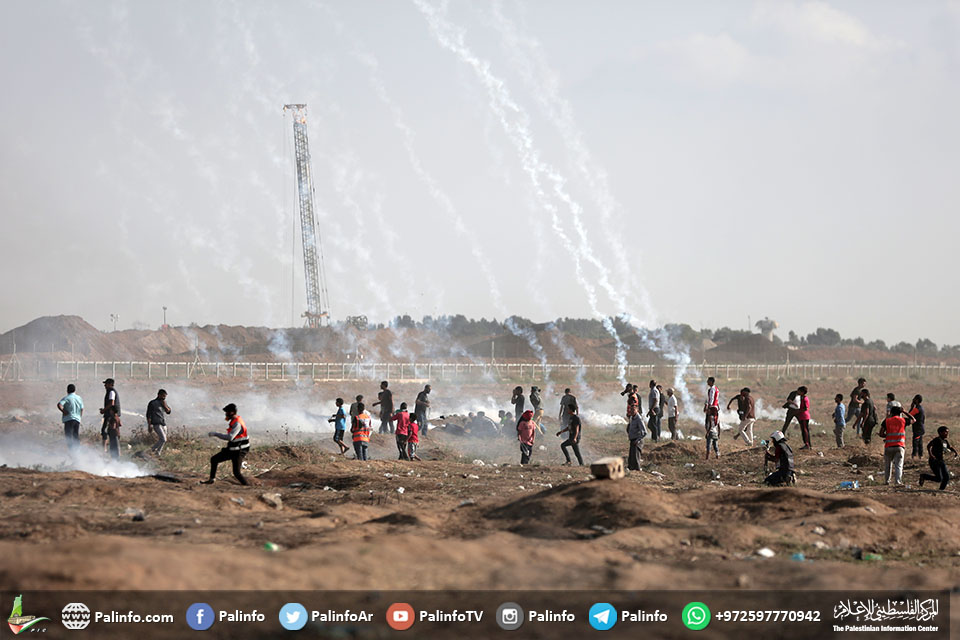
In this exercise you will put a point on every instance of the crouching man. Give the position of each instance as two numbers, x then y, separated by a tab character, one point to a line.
236	448
783	455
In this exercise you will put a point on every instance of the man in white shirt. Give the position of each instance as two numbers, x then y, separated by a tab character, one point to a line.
673	412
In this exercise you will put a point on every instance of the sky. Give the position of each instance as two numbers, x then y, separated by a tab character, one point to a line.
699	162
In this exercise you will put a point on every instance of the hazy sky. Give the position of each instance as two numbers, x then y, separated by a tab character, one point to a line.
695	162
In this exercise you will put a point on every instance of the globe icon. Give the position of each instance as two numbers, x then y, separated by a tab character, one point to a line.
75	615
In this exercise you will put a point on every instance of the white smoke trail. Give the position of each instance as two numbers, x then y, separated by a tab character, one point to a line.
433	188
517	129
560	113
526	55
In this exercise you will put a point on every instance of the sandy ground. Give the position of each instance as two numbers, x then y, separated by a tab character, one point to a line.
680	523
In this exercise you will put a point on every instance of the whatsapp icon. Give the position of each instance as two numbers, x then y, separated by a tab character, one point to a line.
696	616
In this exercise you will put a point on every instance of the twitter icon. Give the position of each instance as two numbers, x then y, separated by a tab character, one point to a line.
293	616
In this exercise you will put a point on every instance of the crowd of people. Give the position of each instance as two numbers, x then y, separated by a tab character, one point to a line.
859	414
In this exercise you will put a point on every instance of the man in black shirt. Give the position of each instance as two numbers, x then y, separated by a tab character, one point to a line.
421	407
573	429
385	400
868	415
938	465
156	421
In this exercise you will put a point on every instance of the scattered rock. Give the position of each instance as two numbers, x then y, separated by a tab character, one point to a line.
695	514
479	463
521	487
239	501
610	468
272	499
542	448
140	516
472	476
259	524
819	530
178	532
685	543
689	465
870	509
604	530
743	581
766	552
469	502
820	544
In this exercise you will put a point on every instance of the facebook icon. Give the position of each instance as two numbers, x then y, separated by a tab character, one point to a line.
200	616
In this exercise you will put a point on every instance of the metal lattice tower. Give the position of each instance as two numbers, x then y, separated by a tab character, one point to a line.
318	305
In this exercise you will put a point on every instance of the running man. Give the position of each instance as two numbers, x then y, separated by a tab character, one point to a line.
236	449
938	465
573	429
746	410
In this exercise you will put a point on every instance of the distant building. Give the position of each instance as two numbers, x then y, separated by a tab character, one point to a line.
767	327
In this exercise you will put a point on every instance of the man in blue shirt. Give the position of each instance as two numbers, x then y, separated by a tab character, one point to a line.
339	420
71	408
839	419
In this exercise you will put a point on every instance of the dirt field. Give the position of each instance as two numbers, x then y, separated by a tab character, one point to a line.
681	522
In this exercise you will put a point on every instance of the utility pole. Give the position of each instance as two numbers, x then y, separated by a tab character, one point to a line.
164	317
115	317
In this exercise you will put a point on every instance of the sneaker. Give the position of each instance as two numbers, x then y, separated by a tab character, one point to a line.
206	482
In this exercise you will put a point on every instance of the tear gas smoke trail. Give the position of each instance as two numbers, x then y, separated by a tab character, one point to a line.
121	42
526	55
518	131
438	195
542	80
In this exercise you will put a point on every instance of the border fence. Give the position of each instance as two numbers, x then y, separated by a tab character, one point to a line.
463	372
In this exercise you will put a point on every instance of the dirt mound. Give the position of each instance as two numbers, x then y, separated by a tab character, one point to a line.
779	504
672	450
600	505
863	460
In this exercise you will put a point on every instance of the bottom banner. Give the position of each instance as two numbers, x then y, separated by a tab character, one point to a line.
146	615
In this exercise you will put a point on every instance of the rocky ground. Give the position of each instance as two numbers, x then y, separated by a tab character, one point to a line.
469	517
